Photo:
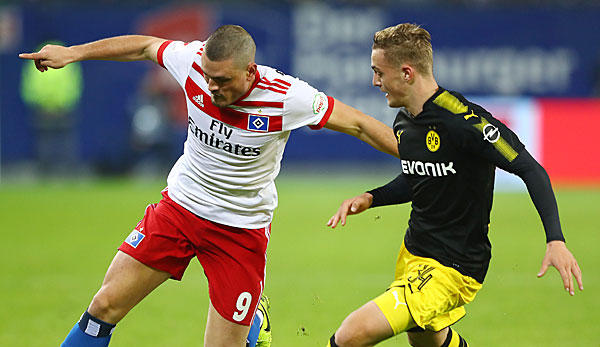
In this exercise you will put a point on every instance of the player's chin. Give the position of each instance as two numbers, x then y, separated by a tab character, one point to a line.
393	103
389	100
219	101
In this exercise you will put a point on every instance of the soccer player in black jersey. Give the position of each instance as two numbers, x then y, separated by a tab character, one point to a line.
449	149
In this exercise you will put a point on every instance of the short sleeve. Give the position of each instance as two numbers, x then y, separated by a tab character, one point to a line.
493	140
177	57
305	105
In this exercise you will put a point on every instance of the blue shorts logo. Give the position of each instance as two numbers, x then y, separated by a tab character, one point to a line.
134	238
258	123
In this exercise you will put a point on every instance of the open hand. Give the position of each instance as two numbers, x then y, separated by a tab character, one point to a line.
560	257
351	206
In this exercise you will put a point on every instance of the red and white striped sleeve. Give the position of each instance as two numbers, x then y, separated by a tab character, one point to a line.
305	105
177	57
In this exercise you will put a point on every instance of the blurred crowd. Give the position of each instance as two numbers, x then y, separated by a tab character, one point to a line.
413	3
111	118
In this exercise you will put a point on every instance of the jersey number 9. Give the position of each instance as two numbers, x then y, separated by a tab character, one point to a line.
242	305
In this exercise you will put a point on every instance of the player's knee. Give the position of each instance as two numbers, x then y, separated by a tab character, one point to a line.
415	342
353	336
421	342
426	338
104	307
346	338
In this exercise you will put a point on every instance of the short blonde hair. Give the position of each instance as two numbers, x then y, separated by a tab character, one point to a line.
406	43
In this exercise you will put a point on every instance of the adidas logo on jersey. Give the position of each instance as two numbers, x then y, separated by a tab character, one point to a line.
411	167
199	99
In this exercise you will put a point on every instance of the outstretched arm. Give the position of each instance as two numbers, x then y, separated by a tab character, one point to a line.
351	121
398	191
119	48
542	195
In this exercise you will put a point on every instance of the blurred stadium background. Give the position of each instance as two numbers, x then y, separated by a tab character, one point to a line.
83	151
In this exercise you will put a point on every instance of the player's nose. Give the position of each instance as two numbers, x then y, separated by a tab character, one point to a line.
376	81
212	86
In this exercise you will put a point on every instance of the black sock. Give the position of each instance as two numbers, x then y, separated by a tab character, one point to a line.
454	341
332	342
95	327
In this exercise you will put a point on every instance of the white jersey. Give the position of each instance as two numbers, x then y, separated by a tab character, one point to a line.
233	154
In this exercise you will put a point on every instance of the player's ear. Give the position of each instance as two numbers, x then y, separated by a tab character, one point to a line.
407	72
251	70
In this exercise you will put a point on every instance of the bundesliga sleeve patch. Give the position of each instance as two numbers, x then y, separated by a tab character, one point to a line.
319	103
258	123
134	238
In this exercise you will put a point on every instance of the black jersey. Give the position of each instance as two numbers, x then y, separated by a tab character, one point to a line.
448	155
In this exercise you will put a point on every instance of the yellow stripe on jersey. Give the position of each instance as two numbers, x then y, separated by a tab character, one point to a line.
501	145
450	103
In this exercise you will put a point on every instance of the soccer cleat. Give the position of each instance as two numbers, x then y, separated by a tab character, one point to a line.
264	336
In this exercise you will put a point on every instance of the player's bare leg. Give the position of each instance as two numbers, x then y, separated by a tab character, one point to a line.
427	338
222	333
126	283
364	327
446	337
368	326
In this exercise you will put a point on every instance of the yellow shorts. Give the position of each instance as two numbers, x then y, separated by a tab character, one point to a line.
431	294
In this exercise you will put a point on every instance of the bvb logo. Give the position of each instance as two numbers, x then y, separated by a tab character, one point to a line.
433	141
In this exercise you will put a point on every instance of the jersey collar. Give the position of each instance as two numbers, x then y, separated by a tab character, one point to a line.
427	107
429	101
256	80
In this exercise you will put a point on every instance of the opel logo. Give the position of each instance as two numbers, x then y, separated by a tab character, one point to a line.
491	133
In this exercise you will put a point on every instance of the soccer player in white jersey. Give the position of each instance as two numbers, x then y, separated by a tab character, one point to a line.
220	197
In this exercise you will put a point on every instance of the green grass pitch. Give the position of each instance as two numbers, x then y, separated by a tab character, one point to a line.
58	239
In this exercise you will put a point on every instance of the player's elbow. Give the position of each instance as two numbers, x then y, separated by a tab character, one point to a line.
349	128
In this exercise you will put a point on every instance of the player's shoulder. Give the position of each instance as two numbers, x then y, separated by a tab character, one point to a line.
178	46
270	74
287	86
454	109
272	83
447	103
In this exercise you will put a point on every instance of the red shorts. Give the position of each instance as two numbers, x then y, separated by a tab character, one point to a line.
234	259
